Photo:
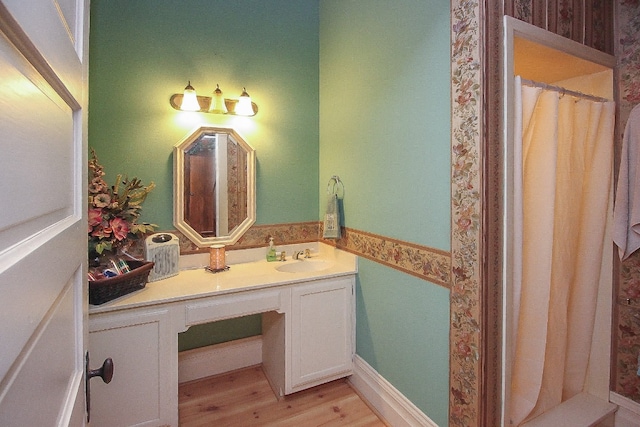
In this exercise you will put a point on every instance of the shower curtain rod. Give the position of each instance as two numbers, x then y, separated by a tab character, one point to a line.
564	91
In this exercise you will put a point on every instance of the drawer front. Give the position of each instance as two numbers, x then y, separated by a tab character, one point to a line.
236	305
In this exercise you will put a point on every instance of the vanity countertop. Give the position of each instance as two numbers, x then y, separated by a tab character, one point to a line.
195	282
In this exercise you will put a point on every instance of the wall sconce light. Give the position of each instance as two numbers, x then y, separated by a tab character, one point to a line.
215	104
189	99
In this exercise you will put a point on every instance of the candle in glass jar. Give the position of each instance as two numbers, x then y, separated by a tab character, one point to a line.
217	258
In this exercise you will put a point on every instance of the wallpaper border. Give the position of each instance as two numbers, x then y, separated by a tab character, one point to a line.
426	263
465	374
432	265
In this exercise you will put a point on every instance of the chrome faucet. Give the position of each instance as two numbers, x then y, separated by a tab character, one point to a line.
306	253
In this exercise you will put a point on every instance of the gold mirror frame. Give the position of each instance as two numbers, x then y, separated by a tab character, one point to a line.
179	186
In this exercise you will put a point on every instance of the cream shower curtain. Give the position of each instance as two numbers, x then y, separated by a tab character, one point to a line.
560	217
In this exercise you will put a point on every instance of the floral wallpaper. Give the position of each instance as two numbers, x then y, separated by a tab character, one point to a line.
627	337
465	301
599	25
627	309
426	263
258	236
237	185
564	18
522	10
588	22
628	54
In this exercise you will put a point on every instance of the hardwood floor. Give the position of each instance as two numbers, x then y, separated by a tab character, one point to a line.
244	398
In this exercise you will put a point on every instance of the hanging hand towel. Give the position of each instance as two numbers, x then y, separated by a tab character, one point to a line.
626	213
332	219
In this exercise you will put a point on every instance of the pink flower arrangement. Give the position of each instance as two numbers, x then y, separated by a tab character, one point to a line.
114	210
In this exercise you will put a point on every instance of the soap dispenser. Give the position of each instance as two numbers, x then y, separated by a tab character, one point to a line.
271	253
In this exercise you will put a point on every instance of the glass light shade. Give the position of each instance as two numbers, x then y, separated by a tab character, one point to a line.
244	107
217	102
190	99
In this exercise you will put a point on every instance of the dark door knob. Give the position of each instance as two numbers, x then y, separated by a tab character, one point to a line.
105	372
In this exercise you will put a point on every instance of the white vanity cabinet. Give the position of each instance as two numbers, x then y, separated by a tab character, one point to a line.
312	341
144	349
322	332
308	335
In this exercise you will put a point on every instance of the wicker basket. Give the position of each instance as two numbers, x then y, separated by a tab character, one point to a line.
103	290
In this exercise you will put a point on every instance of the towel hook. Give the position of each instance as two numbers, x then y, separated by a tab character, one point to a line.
334	185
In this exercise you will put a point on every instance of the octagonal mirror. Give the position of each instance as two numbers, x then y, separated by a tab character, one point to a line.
214	200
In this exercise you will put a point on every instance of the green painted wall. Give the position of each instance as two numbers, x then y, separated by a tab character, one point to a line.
402	331
357	88
143	51
385	130
385	115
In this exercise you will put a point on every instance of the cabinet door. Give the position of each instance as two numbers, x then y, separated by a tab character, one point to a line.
143	391
322	328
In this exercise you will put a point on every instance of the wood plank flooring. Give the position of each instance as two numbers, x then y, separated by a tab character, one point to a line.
244	398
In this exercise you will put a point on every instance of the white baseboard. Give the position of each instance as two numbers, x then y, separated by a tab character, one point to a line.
219	358
628	414
388	402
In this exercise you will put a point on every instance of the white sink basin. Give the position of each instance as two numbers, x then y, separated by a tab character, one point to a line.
303	266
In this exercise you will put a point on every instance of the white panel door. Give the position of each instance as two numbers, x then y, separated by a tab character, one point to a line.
43	240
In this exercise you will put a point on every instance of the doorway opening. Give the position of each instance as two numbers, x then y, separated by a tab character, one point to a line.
548	59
